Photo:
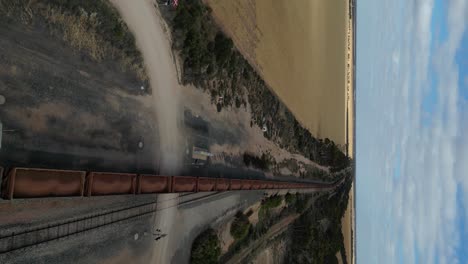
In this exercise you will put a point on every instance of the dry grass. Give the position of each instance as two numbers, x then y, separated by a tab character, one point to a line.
79	31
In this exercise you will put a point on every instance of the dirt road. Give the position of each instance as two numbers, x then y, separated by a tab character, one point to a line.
149	33
142	19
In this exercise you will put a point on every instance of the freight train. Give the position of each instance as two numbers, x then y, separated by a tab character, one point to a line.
37	183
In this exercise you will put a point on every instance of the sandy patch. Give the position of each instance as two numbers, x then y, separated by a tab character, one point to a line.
225	238
253	218
338	257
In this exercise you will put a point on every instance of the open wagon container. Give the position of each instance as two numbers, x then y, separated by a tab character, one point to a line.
206	184
236	184
36	183
222	184
153	184
108	183
184	184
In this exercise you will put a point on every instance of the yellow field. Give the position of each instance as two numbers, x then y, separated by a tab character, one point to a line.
299	47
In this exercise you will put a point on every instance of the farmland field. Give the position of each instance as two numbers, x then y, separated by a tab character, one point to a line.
299	47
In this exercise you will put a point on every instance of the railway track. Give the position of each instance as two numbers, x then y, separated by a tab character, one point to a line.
43	234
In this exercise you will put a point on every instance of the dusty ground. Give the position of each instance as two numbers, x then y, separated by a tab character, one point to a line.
299	49
64	110
233	135
253	219
156	50
338	257
224	235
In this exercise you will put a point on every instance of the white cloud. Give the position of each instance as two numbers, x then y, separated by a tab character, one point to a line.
420	206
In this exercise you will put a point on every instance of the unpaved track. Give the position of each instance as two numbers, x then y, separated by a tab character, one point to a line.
149	31
143	20
164	221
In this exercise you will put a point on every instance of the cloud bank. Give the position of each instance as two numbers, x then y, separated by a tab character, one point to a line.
411	148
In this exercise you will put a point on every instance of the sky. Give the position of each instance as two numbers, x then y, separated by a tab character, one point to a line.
412	131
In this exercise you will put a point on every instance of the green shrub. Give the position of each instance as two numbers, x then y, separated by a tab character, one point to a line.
240	226
268	204
205	248
263	162
272	201
290	198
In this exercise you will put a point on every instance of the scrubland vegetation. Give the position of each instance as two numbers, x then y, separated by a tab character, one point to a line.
315	237
205	248
92	27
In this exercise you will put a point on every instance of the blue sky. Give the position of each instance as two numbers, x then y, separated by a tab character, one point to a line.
412	131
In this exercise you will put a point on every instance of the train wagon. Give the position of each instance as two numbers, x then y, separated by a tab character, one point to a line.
263	185
153	184
256	184
222	184
246	184
184	184
270	185
32	183
206	184
106	183
36	183
236	184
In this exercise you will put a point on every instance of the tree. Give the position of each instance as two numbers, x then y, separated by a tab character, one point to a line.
205	248
240	226
222	48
